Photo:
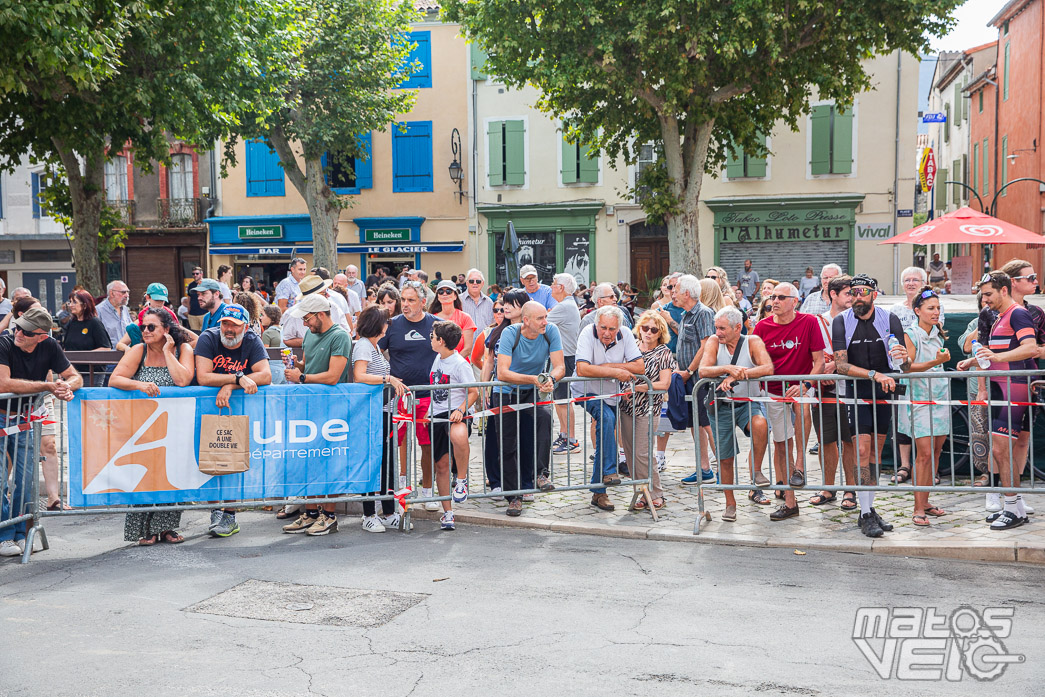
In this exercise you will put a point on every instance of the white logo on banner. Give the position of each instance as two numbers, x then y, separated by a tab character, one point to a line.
923	230
982	230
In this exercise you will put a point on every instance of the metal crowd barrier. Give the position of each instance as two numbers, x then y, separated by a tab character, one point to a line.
524	404
21	421
964	426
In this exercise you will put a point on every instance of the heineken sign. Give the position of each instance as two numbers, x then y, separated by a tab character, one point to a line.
784	225
261	232
386	235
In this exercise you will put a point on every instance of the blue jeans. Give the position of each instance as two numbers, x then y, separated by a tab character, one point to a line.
19	447
605	418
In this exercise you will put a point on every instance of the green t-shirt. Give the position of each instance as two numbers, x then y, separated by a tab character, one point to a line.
271	337
320	347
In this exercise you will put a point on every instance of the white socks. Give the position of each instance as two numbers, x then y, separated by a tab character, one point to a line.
866	499
1019	506
1013	505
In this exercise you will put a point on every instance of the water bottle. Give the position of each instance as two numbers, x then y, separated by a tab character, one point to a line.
892	343
985	363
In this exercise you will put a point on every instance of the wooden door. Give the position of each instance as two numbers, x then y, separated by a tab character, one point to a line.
649	261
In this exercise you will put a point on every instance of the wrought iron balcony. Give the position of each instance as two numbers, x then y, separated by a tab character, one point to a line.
124	208
180	212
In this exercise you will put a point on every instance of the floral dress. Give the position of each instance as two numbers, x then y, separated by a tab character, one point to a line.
927	420
140	525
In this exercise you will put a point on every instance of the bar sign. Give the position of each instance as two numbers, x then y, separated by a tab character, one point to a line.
386	235
261	232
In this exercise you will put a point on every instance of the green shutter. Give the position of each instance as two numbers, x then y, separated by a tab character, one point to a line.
589	165
974	171
956	173
980	93
1004	163
957	104
756	166
496	160
966	99
735	163
569	161
514	153
947	123
842	155
985	160
477	58
820	139
1005	79
941	190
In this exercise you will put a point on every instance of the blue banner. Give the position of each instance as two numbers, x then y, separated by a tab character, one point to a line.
305	440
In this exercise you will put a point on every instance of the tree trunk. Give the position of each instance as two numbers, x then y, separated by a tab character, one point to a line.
684	160
87	193
325	214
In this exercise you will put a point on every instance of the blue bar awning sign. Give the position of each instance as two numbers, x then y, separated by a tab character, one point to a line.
288	250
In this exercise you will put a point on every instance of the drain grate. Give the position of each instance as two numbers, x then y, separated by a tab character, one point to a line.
301	604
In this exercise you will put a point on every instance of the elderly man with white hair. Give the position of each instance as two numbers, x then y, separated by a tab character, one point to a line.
819	303
567	317
603	295
607	351
353	283
475	302
695	326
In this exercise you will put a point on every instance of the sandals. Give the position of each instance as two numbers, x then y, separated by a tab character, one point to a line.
983	480
901	476
849	501
820	499
640	505
921	521
761	479
148	541
935	511
171	537
758	497
730	514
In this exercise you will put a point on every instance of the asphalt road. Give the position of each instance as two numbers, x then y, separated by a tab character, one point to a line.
478	611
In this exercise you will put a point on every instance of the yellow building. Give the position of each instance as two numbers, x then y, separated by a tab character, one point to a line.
407	211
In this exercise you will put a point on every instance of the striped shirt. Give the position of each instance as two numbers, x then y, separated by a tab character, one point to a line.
696	325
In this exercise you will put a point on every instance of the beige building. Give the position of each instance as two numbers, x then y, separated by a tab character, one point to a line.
826	193
407	211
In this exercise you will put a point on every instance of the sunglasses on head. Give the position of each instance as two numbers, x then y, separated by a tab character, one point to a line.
929	294
987	278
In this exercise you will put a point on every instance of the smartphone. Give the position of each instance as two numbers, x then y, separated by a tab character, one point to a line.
901	389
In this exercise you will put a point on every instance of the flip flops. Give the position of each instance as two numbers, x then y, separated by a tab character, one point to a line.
820	499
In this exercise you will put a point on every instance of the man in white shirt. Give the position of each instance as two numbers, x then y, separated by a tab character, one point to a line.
353	283
475	302
287	290
819	303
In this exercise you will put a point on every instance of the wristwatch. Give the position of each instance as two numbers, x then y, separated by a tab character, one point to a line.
239	374
301	378
871	374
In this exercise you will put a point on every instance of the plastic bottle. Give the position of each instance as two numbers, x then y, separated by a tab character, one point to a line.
892	343
984	362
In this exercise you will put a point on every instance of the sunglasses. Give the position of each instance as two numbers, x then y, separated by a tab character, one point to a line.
926	294
647	328
861	293
25	333
150	327
445	291
475	282
987	278
671	287
783	297
712	277
498	310
1029	277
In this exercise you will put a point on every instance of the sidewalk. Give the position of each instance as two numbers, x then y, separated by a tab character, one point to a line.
961	534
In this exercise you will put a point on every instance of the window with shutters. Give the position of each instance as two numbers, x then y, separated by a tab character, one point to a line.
347	175
831	140
965	98
412	157
1004	163
741	164
179	177
40	182
1005	77
941	191
116	179
985	161
958	194
264	173
980	96
506	152
477	59
957	104
947	123
420	53
580	165
974	171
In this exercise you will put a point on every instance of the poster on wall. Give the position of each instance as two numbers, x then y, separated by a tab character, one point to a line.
577	257
961	275
535	248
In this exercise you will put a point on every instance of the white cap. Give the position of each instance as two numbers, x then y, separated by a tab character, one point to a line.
308	305
526	271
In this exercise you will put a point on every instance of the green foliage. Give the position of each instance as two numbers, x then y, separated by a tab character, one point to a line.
112	230
653	189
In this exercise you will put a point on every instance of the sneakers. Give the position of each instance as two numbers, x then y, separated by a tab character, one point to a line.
1007	520
622	470
698	477
559	442
561	447
869	525
514	508
783	513
446	521
620	456
372	523
431	505
302	524
662	462
496	491
815	450
215	518
324	525
544	484
226	526
10	548
1027	508
887	527
993	503
391	521
460	491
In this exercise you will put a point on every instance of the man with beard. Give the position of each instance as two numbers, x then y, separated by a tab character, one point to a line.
232	357
208	296
860	339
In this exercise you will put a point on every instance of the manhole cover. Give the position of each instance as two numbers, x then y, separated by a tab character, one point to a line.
293	602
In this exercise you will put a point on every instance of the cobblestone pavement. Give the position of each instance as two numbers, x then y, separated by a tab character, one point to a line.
961	533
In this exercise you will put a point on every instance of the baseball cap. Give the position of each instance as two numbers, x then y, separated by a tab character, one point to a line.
308	305
526	271
862	279
446	284
204	284
35	319
234	313
156	291
312	284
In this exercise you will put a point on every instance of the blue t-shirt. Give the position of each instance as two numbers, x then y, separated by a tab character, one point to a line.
530	356
676	313
543	295
211	318
409	346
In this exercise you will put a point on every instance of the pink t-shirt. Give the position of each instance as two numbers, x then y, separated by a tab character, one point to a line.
463	320
790	346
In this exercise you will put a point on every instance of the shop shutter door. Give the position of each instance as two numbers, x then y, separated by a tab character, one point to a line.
782	261
147	265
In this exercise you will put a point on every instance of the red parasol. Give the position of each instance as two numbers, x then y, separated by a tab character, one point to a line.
966	226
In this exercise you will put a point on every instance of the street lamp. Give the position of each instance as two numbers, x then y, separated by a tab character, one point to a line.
456	170
993	210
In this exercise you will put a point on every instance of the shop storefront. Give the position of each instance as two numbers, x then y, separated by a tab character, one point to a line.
553	238
395	243
784	236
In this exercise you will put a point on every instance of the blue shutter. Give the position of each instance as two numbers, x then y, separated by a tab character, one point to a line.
36	194
264	175
421	53
412	157
365	164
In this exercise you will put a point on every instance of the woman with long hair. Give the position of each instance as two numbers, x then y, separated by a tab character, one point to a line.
711	295
719	275
249	301
163	359
388	298
85	332
927	424
447	306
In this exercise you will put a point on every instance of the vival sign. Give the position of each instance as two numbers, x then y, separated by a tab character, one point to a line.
305	440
